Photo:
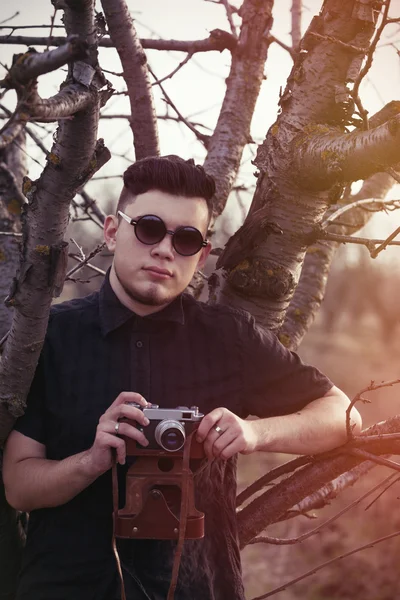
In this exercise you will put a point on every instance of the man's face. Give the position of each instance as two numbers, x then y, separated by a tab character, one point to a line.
147	278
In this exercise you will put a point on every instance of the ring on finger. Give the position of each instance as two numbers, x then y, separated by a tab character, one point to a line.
116	428
218	429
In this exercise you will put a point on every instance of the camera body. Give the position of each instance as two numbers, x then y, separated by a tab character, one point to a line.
160	477
168	427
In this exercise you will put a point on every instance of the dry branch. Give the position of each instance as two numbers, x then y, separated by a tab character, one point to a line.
32	64
218	40
232	131
143	121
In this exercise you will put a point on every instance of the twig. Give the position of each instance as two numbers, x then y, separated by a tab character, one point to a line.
367	66
304	536
395	478
84	262
87	265
352	205
10	18
282	45
200	136
10	233
229	14
325	564
374	253
385	462
346	46
181	64
372	387
52	25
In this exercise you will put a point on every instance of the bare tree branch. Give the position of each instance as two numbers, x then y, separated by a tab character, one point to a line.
218	40
243	86
134	63
296	10
325	564
332	157
32	64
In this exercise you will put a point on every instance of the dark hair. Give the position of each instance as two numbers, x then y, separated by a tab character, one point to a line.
170	174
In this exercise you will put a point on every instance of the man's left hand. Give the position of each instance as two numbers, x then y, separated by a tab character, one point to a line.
224	434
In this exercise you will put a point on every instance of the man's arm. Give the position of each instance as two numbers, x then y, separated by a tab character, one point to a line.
33	481
318	427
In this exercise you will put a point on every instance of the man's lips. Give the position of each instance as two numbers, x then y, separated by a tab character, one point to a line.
158	272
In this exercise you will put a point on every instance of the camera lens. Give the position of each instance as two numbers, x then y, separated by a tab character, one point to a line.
170	435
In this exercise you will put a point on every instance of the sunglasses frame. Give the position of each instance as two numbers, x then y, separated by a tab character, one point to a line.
134	222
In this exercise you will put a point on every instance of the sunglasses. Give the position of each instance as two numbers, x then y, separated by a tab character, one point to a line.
151	229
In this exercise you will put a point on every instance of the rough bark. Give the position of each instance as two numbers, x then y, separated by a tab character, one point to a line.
31	64
262	278
310	290
270	506
143	120
45	218
232	132
12	171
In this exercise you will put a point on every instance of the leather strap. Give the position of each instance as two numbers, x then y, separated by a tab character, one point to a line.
115	507
182	517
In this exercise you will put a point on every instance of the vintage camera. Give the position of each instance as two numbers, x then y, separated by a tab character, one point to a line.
168	427
157	482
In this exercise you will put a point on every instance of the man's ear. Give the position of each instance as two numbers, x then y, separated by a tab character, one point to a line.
204	255
110	231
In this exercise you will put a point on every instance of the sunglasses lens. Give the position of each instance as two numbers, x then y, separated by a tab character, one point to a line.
187	240
150	229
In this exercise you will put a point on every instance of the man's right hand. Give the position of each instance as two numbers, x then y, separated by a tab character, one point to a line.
100	455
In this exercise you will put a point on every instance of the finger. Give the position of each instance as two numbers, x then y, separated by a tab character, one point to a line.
129	397
109	440
215	442
127	430
124	411
222	442
229	450
208	422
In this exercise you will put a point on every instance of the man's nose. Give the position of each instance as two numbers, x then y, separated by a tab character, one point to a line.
164	248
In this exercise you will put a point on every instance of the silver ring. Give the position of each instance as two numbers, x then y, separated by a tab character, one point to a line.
218	429
116	428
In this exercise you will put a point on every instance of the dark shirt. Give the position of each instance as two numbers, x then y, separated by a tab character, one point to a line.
187	354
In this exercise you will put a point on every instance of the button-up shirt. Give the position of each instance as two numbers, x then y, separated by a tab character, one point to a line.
187	354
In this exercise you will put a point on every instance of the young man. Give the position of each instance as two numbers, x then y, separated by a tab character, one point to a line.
141	339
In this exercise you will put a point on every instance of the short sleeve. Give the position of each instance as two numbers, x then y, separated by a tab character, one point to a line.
31	423
277	382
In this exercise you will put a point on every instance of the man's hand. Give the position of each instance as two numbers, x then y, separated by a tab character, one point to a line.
224	434
99	456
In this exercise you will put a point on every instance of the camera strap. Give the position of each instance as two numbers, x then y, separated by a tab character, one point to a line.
115	507
183	516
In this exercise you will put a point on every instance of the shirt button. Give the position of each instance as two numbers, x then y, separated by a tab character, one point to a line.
139	344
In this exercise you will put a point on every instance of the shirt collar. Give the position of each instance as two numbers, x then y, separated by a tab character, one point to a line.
113	313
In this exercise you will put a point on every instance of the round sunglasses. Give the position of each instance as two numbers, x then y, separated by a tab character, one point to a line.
151	229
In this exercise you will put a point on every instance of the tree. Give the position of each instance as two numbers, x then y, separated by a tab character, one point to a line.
276	264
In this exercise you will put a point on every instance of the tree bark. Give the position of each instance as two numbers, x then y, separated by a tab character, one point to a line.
12	171
45	218
262	276
270	506
143	120
232	132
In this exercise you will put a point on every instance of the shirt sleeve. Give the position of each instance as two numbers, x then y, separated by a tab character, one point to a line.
277	382
32	422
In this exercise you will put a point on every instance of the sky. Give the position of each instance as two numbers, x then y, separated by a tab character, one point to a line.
198	88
